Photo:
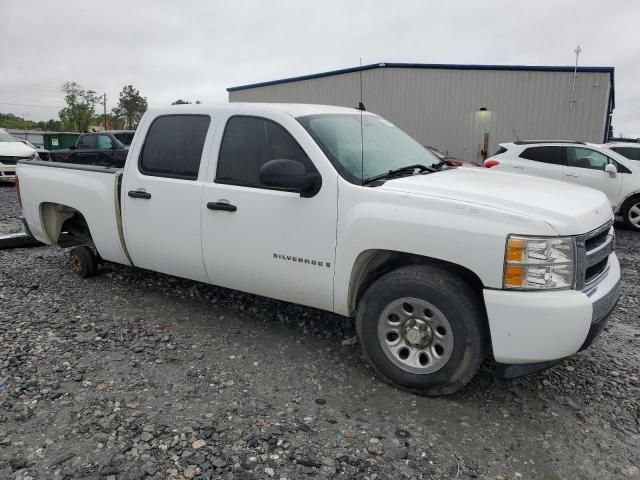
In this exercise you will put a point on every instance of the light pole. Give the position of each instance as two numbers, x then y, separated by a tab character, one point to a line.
572	102
484	120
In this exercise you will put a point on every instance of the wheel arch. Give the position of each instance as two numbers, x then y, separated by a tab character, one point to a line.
372	264
57	218
626	199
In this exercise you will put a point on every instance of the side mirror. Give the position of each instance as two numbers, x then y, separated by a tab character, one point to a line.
292	175
73	147
611	169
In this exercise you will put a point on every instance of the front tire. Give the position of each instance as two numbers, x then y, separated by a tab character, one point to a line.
422	329
631	213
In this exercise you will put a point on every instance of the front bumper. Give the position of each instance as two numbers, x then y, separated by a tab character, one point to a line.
540	327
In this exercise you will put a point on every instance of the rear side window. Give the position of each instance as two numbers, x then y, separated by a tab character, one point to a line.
250	142
553	155
629	152
88	141
173	147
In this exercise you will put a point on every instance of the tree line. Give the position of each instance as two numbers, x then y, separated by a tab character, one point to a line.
83	109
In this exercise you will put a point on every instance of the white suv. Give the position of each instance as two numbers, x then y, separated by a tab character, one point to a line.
581	163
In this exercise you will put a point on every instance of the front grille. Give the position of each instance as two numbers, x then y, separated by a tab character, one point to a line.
594	249
594	271
9	160
594	242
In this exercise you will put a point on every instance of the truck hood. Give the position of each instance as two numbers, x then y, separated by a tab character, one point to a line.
567	208
15	149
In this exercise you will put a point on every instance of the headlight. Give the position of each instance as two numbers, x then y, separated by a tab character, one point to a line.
35	156
532	263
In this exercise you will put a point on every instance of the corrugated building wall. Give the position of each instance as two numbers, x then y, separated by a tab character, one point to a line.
439	104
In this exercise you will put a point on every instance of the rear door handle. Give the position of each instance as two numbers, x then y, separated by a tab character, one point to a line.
518	167
139	194
571	175
227	207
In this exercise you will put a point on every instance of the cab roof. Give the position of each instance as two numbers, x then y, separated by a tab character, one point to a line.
293	109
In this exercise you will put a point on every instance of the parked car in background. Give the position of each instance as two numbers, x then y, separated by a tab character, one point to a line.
106	149
626	149
43	153
340	210
12	150
443	157
580	163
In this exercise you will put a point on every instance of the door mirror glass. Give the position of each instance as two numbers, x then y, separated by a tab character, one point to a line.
611	169
289	174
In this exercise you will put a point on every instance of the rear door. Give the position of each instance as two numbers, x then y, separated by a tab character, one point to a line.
586	167
263	240
540	161
162	194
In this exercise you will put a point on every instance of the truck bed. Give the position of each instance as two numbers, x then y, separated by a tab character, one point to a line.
53	192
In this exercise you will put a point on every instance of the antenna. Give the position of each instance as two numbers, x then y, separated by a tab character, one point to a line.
362	109
515	134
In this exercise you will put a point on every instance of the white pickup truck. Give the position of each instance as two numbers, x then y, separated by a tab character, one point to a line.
338	209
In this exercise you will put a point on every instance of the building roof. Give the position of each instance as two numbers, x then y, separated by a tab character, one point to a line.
432	66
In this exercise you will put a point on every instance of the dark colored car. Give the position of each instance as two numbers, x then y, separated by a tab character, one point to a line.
108	149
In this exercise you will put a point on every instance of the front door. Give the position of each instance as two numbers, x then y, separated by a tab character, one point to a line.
263	240
162	194
586	167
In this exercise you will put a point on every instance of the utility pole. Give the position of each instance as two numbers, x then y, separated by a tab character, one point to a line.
572	102
104	104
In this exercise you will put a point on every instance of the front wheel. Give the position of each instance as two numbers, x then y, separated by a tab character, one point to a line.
631	213
422	329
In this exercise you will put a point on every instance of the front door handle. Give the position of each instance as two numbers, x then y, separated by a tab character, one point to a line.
139	194
571	175
227	207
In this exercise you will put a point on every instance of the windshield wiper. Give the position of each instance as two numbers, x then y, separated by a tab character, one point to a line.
396	172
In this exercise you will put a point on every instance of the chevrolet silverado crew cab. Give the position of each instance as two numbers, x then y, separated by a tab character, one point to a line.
581	163
338	209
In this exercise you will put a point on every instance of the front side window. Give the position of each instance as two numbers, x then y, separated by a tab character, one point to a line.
363	149
104	142
586	158
550	154
88	141
173	146
250	142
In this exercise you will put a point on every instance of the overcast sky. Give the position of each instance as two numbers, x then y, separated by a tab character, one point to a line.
196	49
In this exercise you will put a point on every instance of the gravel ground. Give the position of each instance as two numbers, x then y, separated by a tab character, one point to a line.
133	374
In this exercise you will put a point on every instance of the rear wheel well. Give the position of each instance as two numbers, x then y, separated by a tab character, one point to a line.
373	264
65	226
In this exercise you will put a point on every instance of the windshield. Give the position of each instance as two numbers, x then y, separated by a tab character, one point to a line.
5	137
125	137
386	147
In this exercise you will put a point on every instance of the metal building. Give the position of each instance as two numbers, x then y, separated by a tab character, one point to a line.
454	107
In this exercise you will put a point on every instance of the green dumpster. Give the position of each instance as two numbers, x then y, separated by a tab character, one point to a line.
59	140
